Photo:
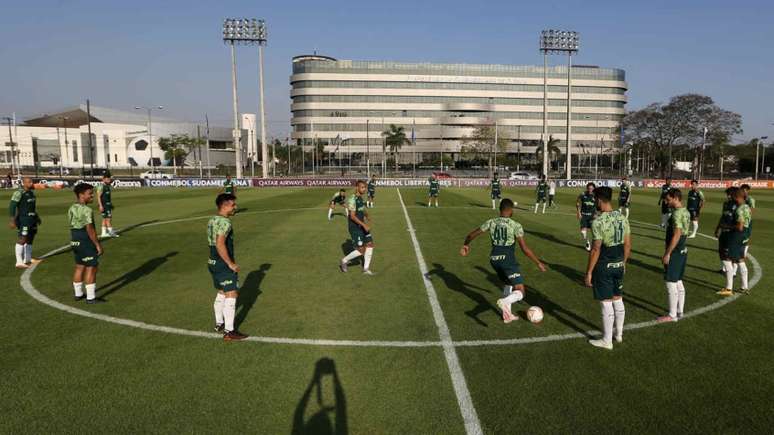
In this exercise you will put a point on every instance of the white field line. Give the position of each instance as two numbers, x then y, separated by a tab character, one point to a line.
27	286
465	402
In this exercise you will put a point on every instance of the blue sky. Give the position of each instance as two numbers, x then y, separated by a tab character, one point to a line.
55	54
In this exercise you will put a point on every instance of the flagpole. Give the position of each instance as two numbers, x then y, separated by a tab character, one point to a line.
414	146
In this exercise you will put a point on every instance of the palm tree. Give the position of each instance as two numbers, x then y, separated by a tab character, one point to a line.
395	138
553	150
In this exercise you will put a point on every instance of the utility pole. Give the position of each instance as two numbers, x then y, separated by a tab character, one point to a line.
91	145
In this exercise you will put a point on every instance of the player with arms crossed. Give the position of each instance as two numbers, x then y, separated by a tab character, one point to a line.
695	204
435	189
339	198
585	207
607	264
542	193
359	224
371	191
625	196
675	255
86	247
662	202
104	192
504	233
223	267
25	219
732	251
494	186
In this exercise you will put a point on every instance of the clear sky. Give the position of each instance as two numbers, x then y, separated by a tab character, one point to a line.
120	54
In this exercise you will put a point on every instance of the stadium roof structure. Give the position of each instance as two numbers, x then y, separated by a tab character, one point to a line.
73	117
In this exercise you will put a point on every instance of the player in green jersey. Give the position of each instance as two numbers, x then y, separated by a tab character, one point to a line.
585	207
85	245
542	193
24	218
662	201
339	198
223	267
625	196
359	224
732	251
435	188
104	191
750	201
726	221
675	255
371	191
504	233
229	186
551	194
607	264
494	186
694	206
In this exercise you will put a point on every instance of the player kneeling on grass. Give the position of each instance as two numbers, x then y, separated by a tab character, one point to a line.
339	198
86	247
223	267
359	224
25	219
607	264
504	233
675	255
104	192
731	235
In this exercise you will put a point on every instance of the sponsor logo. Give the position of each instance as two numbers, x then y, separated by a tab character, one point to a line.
497	257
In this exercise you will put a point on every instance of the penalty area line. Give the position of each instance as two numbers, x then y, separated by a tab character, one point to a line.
464	400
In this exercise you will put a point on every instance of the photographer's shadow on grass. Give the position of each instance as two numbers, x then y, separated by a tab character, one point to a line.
322	408
454	283
133	275
249	292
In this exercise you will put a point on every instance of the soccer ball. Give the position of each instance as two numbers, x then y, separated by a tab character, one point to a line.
535	314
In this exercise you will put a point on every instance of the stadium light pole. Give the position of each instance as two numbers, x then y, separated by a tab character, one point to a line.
262	39
558	42
150	135
245	31
11	144
757	152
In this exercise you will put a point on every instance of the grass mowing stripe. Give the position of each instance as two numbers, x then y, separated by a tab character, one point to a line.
465	402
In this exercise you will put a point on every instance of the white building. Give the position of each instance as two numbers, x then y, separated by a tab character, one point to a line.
119	139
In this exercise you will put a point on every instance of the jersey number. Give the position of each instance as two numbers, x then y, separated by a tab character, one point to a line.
618	234
500	236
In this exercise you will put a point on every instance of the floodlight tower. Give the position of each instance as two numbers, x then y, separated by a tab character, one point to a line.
558	42
262	39
246	31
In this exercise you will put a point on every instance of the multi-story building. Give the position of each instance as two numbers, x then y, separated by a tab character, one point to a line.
346	104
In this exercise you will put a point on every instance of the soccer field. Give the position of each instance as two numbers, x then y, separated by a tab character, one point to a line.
418	348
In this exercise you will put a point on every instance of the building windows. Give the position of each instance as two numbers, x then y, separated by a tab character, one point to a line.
75	151
506	87
446	100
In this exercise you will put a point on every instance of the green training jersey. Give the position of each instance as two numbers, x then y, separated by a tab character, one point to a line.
664	189
104	191
228	187
79	216
434	185
611	228
626	191
679	219
371	186
743	214
727	218
495	185
220	226
356	204
503	231
541	189
750	201
339	198
695	200
587	204
22	204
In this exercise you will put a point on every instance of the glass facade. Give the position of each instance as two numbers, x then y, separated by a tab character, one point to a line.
445	121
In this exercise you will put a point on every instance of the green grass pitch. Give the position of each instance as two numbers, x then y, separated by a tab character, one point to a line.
62	372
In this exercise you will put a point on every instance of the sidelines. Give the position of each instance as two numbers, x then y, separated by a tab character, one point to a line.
30	289
465	402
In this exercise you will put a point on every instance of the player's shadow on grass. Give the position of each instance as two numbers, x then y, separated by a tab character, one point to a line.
454	283
553	239
348	247
249	292
102	241
690	264
330	415
478	205
133	275
535	297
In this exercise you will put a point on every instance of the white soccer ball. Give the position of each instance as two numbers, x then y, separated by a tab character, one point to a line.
535	314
